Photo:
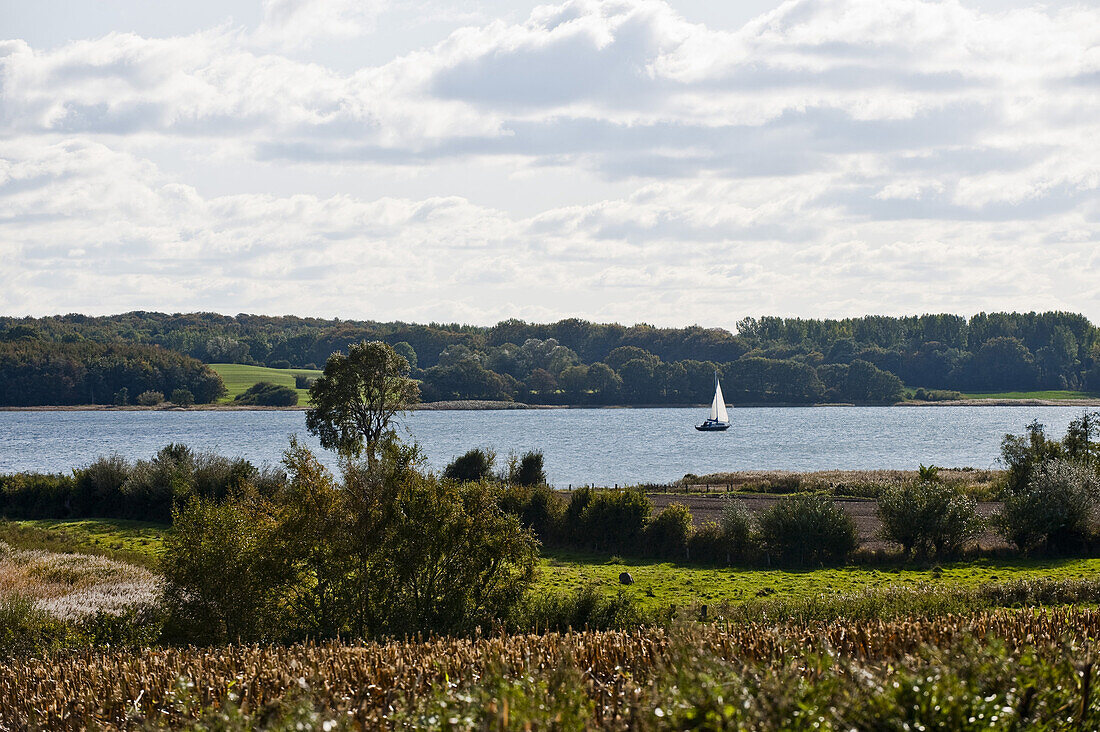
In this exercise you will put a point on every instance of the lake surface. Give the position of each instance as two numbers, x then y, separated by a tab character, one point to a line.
597	446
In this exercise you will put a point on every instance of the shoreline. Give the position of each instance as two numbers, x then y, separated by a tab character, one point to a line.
475	405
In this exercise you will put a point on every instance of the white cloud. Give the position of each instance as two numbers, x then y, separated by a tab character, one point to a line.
121	235
829	157
301	23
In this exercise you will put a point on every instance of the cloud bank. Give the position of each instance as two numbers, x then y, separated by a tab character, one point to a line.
826	158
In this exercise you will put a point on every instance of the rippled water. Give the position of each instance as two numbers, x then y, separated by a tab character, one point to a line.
600	446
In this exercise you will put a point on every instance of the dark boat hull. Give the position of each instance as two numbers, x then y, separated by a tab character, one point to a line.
713	426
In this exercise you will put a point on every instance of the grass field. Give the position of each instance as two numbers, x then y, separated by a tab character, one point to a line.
137	542
659	584
656	584
238	377
1053	395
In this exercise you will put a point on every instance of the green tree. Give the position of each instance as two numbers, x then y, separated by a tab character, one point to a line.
1080	442
475	465
358	395
453	558
222	579
267	394
150	398
1022	454
406	351
807	529
1053	510
927	517
528	470
603	380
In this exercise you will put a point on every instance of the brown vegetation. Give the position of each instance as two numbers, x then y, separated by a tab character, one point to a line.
370	683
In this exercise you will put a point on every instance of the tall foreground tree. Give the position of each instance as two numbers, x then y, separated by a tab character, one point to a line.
358	395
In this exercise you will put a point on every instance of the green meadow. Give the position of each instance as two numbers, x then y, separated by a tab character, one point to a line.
138	542
656	584
1052	395
239	377
659	584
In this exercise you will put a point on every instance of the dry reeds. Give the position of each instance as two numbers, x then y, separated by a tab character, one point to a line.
75	586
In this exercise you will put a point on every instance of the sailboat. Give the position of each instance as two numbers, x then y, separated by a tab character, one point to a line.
719	420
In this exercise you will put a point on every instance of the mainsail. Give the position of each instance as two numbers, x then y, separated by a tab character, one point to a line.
718	406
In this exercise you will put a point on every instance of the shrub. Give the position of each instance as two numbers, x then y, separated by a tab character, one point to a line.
183	397
150	398
476	464
266	394
612	520
122	397
927	517
539	508
708	544
302	381
667	534
736	526
280	363
1053	510
726	541
529	471
807	529
222	579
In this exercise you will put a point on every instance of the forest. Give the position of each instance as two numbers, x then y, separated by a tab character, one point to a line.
767	360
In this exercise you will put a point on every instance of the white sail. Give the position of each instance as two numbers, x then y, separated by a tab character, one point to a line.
718	408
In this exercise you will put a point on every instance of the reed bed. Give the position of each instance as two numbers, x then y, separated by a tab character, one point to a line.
376	685
72	587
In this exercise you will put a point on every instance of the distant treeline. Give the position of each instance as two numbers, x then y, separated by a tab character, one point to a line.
36	372
768	360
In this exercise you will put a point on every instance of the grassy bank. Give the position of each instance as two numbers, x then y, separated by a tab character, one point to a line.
239	377
1050	395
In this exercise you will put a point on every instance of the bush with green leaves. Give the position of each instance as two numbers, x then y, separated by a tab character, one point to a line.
807	529
150	398
668	532
182	397
539	508
386	549
476	464
528	470
727	540
223	580
267	394
610	520
928	518
1053	511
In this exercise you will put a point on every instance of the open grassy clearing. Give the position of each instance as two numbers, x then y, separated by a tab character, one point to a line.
239	377
656	584
136	542
659	584
1054	395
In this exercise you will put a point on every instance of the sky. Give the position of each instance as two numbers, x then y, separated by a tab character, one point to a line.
664	161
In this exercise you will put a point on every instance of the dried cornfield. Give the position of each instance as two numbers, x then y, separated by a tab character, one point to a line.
364	685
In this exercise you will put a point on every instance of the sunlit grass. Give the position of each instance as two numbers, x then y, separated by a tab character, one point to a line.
1052	395
239	377
136	542
659	584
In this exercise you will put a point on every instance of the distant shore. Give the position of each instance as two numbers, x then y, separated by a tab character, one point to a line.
487	405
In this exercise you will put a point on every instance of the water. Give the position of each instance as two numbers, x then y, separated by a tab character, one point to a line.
598	446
